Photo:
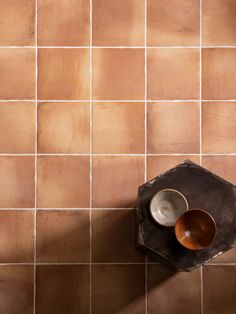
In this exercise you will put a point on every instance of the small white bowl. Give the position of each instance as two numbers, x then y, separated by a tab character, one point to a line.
167	206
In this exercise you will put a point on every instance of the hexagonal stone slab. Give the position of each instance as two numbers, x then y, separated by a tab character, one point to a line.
204	190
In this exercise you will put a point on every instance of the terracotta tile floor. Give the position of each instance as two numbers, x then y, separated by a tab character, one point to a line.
96	97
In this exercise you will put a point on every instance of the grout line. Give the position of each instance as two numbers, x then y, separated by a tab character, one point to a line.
36	147
201	274
145	134
200	87
91	150
67	209
122	47
71	263
102	263
117	155
116	100
221	264
200	104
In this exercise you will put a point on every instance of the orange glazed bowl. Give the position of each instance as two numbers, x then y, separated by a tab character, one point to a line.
195	229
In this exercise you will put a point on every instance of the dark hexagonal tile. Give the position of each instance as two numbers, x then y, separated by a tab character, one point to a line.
204	190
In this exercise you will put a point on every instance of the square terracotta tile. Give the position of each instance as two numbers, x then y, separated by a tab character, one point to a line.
173	73
17	127
118	74
16	233
63	73
63	23
17	23
227	257
110	17
219	25
159	164
63	128
218	74
173	23
224	166
62	289
17	181
118	289
116	180
113	236
17	68
63	236
219	127
17	289
219	289
63	181
173	292
118	128
173	128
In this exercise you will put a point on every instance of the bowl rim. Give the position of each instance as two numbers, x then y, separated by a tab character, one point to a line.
165	190
212	219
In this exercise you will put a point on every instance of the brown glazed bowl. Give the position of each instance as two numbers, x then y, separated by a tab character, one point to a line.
195	229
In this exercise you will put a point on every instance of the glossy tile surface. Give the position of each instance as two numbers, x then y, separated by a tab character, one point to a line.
159	164
219	25
122	193
118	128
173	23
63	236
118	289
17	234
219	289
17	182
219	127
218	73
17	289
170	292
109	17
63	74
63	128
63	23
62	289
17	68
173	74
17	21
118	74
173	128
224	166
17	127
63	181
114	228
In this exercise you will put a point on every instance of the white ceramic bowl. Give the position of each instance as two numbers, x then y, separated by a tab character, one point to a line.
167	206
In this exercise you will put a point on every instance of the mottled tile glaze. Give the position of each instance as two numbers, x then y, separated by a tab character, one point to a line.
17	127
118	128
118	74
118	289
63	236
110	17
63	181
17	68
173	22
17	188
63	23
17	20
125	172
63	74
218	73
63	128
173	128
173	74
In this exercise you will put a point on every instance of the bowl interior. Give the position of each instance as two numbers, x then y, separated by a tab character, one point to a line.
195	229
166	206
